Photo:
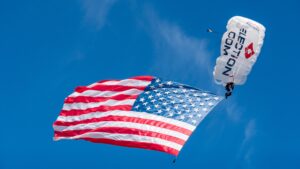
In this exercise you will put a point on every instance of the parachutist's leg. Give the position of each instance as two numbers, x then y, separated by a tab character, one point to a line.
227	88
227	94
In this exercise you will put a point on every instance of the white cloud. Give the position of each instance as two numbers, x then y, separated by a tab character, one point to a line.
233	110
250	131
247	149
178	55
96	11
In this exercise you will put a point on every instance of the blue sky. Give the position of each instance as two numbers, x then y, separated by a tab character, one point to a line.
47	48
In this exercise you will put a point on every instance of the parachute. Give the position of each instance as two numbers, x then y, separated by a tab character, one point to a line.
241	45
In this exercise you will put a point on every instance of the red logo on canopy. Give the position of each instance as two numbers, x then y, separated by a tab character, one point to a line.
249	51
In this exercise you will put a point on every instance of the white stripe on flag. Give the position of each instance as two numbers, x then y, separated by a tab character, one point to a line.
138	126
128	114
95	93
127	137
83	106
128	82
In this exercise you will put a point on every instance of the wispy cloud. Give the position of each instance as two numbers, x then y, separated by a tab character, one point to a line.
178	55
250	131
247	150
233	110
96	11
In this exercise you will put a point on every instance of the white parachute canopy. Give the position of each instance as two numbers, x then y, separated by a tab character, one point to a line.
240	47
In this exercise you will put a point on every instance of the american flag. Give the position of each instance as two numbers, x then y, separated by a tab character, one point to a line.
141	112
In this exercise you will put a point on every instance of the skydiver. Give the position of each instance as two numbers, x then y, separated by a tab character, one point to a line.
229	88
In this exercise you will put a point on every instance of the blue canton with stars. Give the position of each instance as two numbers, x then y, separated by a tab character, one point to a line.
176	101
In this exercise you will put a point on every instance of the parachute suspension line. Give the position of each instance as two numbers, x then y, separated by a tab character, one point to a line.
230	86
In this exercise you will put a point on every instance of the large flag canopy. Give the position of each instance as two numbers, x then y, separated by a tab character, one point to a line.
142	112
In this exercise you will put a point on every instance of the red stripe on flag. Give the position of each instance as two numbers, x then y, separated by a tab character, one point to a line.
128	119
116	88
102	81
149	146
95	109
146	78
88	99
120	130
